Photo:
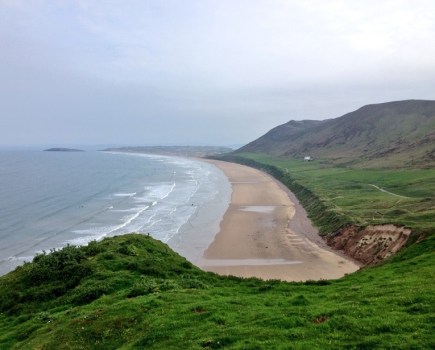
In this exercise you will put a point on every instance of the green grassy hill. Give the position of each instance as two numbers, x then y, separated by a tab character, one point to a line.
337	196
393	134
132	292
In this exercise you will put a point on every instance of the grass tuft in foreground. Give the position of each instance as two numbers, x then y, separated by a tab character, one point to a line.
133	292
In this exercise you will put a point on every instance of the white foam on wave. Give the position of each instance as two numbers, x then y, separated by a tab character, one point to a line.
160	208
86	239
125	194
156	192
129	219
83	232
99	232
129	210
168	220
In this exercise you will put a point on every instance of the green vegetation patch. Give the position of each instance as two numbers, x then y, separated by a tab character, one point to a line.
133	292
334	196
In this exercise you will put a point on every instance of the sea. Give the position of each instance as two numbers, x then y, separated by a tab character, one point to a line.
51	199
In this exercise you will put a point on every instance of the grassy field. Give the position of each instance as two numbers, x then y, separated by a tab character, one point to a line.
362	196
132	292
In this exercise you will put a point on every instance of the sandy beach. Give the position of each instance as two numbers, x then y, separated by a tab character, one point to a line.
265	233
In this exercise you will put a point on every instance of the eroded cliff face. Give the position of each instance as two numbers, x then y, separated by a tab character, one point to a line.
371	244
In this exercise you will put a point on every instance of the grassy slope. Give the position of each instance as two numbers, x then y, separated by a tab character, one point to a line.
394	134
348	194
132	292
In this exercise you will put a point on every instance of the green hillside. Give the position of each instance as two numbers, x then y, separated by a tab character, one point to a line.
337	196
132	292
393	134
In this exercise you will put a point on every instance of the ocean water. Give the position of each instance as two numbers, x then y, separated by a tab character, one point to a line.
51	199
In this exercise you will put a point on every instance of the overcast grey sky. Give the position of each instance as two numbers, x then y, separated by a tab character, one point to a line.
202	72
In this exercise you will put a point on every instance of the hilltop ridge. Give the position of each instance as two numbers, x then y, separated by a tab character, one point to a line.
133	292
393	134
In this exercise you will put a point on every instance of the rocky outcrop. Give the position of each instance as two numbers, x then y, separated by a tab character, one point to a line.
371	244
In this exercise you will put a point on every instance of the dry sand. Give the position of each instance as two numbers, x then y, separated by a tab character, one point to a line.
265	233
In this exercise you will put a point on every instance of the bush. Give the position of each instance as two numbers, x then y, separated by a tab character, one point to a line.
128	249
92	249
67	265
88	292
47	278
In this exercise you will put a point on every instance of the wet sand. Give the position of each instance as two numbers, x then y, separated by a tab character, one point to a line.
265	233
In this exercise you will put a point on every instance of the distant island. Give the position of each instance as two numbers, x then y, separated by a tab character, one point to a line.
187	151
63	150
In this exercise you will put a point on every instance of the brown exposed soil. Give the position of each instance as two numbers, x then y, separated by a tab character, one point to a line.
320	319
371	244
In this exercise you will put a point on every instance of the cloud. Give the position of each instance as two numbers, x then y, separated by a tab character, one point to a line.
218	71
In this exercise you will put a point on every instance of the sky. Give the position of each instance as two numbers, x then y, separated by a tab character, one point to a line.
202	72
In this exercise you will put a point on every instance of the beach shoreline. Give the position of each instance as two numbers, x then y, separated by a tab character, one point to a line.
266	233
200	230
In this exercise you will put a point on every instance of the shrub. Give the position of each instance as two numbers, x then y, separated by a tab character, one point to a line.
68	264
88	292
